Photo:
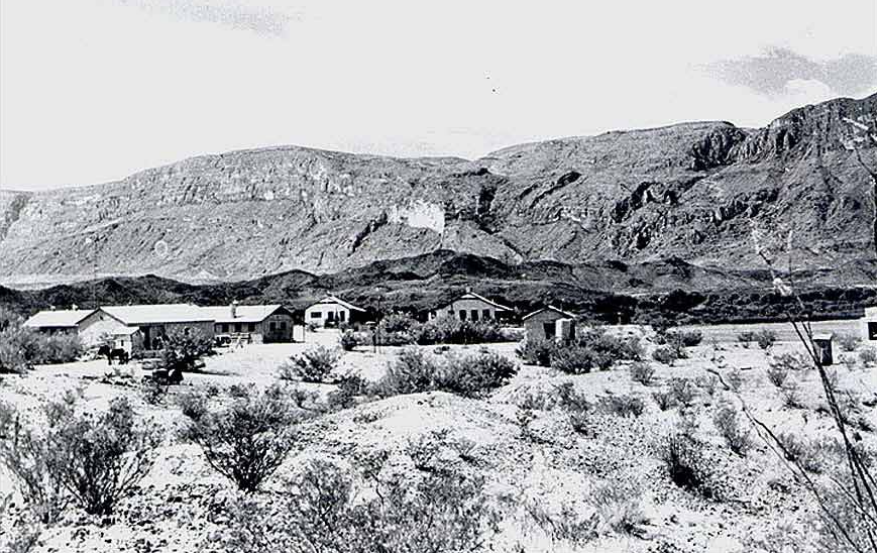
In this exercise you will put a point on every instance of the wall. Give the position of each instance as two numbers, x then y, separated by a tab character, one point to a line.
535	324
96	325
340	313
468	305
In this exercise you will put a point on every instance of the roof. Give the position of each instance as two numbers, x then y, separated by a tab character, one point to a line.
58	319
474	296
329	300
125	331
136	315
243	313
550	308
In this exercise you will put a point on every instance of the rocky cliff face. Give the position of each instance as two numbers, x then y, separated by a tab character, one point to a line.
688	191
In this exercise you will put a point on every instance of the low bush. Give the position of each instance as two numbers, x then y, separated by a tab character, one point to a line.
22	348
348	341
727	422
684	391
349	387
100	458
734	380
746	338
314	365
183	348
619	505
665	399
642	372
622	405
413	371
686	464
848	342
193	404
248	439
777	373
474	375
613	348
791	394
807	454
578	360
765	338
450	330
682	338
536	351
666	355
868	356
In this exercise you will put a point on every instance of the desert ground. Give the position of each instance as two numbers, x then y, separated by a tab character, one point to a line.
550	467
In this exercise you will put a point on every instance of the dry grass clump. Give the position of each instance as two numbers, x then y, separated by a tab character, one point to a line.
314	365
728	423
642	372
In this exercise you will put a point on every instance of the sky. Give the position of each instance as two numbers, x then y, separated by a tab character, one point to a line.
94	90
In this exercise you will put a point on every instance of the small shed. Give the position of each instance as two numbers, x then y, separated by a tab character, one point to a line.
869	324
550	323
822	343
333	311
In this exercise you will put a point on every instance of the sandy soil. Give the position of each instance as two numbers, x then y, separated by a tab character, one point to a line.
761	509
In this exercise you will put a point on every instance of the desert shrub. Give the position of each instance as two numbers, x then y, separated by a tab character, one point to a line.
184	347
314	365
450	330
100	458
413	371
569	399
398	322
806	453
623	405
536	351
734	380
193	404
682	338
248	439
613	348
683	390
58	348
848	342
777	373
707	383
791	395
349	386
619	505
578	360
348	341
475	374
727	422
666	355
868	356
746	338
325	510
153	392
765	338
26	455
665	399
524	417
21	348
581	423
642	372
686	465
564	527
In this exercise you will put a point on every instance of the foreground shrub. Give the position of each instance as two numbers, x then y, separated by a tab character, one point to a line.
619	505
613	348
683	390
642	372
247	440
623	405
536	351
348	341
412	372
765	338
349	386
686	465
666	355
746	338
578	360
777	373
727	422
806	453
475	374
315	365
99	459
848	342
22	348
183	348
665	399
682	338
450	330
324	509
868	356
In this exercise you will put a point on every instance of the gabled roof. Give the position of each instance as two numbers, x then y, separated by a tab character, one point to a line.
329	300
474	296
58	319
136	315
550	308
243	313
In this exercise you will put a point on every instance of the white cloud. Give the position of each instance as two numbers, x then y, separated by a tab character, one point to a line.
94	90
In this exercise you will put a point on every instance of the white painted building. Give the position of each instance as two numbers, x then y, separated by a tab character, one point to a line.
869	324
332	311
472	307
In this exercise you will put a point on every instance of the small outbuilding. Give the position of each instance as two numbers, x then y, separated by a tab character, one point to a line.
93	327
332	311
252	323
473	307
550	323
869	324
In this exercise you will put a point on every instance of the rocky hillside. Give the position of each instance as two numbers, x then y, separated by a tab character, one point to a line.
686	192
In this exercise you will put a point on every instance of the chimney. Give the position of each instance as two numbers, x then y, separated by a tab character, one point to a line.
234	309
74	307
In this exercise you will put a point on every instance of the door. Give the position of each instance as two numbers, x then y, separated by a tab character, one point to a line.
550	329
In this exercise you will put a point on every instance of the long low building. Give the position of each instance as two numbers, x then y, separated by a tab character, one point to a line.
138	327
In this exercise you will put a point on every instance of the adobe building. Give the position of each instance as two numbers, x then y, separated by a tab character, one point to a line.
332	311
473	307
550	323
254	323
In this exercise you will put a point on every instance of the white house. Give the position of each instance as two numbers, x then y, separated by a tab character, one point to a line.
258	323
93	326
332	311
472	307
155	322
869	324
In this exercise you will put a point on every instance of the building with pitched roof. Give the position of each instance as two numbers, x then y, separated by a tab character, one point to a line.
155	322
93	326
473	307
869	325
550	323
257	323
333	311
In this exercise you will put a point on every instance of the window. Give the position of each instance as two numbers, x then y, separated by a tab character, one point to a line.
474	314
251	327
273	326
330	316
237	327
462	314
225	328
485	314
341	316
550	329
282	325
872	331
316	315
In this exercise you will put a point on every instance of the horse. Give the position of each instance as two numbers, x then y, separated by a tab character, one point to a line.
113	353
